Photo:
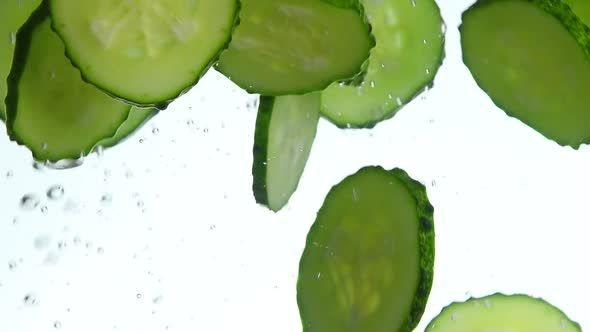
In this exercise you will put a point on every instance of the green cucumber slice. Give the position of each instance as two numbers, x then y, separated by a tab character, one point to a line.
500	312
13	15
581	8
368	260
532	58
136	119
49	108
285	131
284	47
145	52
409	50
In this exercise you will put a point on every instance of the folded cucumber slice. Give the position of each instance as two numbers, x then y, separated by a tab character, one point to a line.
13	15
49	108
532	58
284	47
499	312
145	52
285	131
368	260
136	119
409	50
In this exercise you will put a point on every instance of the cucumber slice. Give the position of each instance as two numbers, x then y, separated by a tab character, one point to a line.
136	119
532	58
285	131
144	52
368	260
581	8
499	312
409	50
284	47
13	15
49	108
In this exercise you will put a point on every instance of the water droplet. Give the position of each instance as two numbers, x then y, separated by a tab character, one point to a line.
427	71
425	41
212	227
190	122
100	250
30	299
141	140
42	242
138	295
44	209
12	38
57	324
12	265
55	192
29	202
9	174
318	275
155	131
399	102
433	183
205	130
372	84
106	199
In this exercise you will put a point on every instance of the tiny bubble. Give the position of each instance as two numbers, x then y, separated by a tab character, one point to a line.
57	324
12	265
12	38
318	275
106	199
29	202
138	295
155	131
206	130
55	192
44	209
141	140
100	250
30	299
9	174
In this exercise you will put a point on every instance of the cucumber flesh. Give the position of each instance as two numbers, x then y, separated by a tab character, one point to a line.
285	131
13	15
500	312
408	52
144	52
368	261
532	59
136	119
49	108
284	47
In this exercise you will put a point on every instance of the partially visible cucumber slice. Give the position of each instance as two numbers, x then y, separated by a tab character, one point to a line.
284	47
500	312
368	260
145	52
136	119
581	8
13	15
532	58
409	50
285	131
49	108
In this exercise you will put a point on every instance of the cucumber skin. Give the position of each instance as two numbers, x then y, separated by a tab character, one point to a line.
21	52
263	118
161	105
574	25
425	214
114	140
450	306
427	85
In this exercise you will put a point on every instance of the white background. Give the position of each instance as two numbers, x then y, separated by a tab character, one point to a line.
163	233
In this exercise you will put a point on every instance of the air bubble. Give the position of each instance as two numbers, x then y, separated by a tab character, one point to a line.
427	71
399	101
30	299
155	131
12	265
141	140
425	41
9	174
44	209
55	192
372	84
106	199
413	3
12	38
319	275
454	316
100	250
57	324
138	295
29	202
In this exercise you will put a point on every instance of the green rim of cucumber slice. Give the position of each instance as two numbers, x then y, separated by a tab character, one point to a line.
369	256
